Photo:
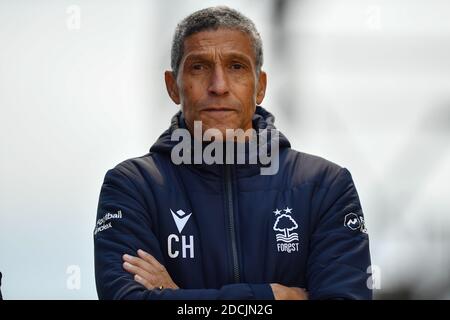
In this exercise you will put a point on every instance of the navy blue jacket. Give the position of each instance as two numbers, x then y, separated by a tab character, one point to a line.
227	232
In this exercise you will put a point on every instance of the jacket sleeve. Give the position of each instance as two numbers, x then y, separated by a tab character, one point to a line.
339	257
123	226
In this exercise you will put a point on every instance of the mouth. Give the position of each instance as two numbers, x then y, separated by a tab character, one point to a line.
218	109
218	113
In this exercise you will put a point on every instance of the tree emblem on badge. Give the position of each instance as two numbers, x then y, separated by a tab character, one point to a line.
285	224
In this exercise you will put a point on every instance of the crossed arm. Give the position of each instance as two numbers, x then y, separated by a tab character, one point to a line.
152	275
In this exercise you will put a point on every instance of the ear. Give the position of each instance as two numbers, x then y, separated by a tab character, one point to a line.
261	87
172	87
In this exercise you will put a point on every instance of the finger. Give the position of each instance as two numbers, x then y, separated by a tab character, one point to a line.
144	282
161	268
150	259
140	272
141	263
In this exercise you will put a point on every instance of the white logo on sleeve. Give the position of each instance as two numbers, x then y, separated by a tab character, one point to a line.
355	222
103	224
187	242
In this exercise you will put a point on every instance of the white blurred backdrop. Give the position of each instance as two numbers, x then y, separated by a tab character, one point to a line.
363	83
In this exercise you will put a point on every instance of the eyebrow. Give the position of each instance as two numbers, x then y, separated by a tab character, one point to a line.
204	56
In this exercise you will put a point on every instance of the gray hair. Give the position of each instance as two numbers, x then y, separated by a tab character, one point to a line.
214	18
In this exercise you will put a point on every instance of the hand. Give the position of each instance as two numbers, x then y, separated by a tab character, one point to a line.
281	292
148	271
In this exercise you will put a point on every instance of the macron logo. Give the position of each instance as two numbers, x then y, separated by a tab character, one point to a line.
180	219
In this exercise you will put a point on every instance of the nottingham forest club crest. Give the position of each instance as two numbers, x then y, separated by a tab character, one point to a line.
285	226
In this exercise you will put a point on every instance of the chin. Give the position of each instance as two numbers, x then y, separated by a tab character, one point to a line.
209	123
220	127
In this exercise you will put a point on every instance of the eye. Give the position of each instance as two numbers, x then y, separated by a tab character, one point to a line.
198	66
237	66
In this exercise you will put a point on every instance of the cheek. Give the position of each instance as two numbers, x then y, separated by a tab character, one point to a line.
191	94
247	96
247	88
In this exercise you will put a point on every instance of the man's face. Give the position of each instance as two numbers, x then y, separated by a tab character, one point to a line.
217	81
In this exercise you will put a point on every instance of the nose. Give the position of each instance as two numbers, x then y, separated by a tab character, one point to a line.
218	83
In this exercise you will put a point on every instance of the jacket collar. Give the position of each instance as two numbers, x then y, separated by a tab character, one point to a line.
262	119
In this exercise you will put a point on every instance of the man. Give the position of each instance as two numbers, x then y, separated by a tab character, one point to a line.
171	229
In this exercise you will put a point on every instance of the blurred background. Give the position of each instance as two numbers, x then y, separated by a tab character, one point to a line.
365	84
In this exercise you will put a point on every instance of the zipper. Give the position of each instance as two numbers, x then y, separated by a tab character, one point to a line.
231	222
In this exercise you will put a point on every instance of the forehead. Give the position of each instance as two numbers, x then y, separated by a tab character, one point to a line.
220	40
